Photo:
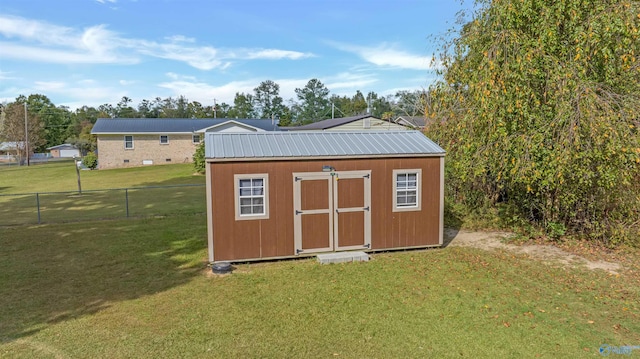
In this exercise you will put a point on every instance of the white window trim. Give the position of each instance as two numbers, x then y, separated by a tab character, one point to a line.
125	142
160	139
236	195
194	136
418	206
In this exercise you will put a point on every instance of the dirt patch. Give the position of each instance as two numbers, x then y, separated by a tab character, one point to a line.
547	253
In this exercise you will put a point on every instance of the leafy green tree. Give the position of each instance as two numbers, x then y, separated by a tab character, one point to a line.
314	102
242	106
537	110
124	109
267	99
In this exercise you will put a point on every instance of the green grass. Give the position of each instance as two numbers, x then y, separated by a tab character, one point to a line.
96	202
140	289
61	176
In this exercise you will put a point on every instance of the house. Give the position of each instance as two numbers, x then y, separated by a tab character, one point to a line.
9	151
354	123
127	142
64	150
298	193
416	122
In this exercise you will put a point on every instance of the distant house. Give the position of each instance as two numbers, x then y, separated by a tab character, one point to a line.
354	123
417	122
10	148
64	150
128	142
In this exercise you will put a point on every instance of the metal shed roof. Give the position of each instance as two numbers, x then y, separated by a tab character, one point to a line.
310	144
169	125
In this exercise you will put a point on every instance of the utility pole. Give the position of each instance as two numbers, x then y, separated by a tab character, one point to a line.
26	134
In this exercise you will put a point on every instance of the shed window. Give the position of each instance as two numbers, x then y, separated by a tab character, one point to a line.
406	190
251	196
196	138
164	140
128	142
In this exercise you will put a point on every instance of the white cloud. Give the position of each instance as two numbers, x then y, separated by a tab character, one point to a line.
387	55
107	1
44	42
272	54
349	80
126	82
4	75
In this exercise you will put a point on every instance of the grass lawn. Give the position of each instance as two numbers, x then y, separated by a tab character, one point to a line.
92	204
61	176
139	289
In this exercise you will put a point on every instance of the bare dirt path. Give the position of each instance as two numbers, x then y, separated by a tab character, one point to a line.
546	253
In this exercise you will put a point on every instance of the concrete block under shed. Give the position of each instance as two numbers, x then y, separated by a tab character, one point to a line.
341	257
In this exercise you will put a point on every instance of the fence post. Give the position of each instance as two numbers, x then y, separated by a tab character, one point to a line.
38	204
126	200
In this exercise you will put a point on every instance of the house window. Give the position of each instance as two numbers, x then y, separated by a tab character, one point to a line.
251	196
406	190
164	140
128	142
196	138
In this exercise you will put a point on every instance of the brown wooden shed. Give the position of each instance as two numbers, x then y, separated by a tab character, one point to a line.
287	194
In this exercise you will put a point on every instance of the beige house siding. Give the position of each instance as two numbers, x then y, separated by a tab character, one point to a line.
146	150
374	124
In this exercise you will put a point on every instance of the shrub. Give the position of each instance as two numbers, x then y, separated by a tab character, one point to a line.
198	159
90	160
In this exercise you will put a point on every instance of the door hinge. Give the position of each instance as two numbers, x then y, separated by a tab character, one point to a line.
298	251
298	212
297	178
366	176
366	208
337	211
368	245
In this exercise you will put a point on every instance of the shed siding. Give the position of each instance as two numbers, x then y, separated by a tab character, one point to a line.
274	237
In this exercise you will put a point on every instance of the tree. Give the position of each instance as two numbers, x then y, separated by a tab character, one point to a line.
124	109
358	104
411	103
268	102
13	128
314	102
242	106
55	120
537	107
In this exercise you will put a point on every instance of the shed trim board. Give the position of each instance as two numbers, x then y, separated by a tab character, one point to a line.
323	203
262	159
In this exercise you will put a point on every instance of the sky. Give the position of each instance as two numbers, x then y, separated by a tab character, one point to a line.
92	52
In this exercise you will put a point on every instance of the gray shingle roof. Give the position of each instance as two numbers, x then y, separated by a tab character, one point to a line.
415	121
326	124
266	145
169	125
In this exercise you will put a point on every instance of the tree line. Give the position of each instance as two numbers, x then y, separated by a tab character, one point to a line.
539	108
51	125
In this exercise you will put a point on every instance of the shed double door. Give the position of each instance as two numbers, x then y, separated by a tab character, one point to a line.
332	211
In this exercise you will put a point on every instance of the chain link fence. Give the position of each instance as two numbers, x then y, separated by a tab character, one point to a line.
55	207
